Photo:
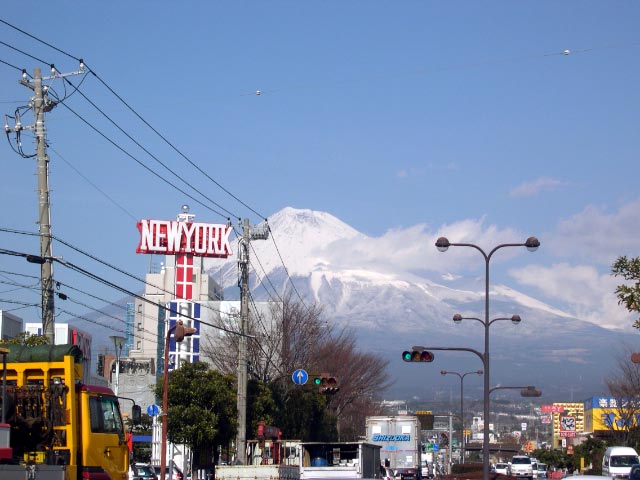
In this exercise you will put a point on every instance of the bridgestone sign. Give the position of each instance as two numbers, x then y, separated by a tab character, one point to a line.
391	438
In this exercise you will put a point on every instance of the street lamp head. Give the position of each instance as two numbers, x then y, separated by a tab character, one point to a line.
480	372
532	244
443	372
515	319
457	318
442	244
118	340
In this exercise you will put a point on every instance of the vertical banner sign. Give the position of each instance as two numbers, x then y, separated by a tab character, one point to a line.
567	426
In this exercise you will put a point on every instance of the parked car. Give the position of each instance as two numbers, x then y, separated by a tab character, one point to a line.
542	470
176	474
142	471
503	468
406	474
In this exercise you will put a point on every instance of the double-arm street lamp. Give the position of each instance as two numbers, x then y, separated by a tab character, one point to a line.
443	245
461	376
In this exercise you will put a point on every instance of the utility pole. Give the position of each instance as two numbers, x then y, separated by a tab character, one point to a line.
44	212
41	103
257	233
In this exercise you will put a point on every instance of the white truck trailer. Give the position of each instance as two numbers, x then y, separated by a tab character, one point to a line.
399	439
322	460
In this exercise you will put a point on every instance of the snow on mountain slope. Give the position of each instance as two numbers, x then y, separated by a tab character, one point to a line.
304	238
311	243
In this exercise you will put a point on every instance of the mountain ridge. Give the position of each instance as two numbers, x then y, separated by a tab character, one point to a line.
393	309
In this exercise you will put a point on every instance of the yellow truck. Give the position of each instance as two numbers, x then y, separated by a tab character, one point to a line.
60	428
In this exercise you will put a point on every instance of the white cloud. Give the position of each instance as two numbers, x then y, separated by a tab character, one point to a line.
534	187
588	294
413	248
597	235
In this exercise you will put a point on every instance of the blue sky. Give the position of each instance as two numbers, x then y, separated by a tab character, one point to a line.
406	120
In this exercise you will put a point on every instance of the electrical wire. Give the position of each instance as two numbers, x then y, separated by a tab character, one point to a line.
139	162
86	179
10	65
93	257
155	131
108	283
166	167
285	267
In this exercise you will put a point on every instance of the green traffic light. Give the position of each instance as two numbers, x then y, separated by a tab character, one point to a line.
407	356
317	381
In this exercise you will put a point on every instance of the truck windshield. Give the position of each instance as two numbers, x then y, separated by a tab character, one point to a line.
105	416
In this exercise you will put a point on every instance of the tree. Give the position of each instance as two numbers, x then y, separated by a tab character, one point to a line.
624	388
294	336
202	410
27	340
284	340
628	295
361	376
591	451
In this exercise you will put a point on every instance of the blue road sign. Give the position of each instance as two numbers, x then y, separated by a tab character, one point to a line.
153	410
300	377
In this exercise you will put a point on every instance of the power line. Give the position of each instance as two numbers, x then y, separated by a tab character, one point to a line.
108	283
228	192
144	149
147	151
139	162
285	268
86	179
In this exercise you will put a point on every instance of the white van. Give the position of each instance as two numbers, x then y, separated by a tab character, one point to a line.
617	461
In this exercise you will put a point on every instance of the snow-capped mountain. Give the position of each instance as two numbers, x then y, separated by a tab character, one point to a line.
391	308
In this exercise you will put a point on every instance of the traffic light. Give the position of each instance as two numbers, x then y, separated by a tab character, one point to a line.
181	331
530	392
425	417
418	356
327	385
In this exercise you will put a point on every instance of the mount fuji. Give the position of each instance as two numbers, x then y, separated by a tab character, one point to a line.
392	307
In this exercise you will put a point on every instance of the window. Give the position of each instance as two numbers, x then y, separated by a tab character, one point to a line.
139	345
105	416
139	326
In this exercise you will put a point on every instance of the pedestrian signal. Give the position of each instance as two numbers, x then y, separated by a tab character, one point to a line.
417	356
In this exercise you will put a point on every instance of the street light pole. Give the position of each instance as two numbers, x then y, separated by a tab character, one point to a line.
443	245
461	376
179	332
118	342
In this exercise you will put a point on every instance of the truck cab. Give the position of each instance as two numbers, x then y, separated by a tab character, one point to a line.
58	424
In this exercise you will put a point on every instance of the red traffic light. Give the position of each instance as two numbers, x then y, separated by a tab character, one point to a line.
418	356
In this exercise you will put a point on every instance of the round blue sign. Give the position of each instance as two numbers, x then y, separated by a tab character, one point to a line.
153	410
300	377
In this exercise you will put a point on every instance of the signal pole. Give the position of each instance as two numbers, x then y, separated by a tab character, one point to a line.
40	104
257	233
